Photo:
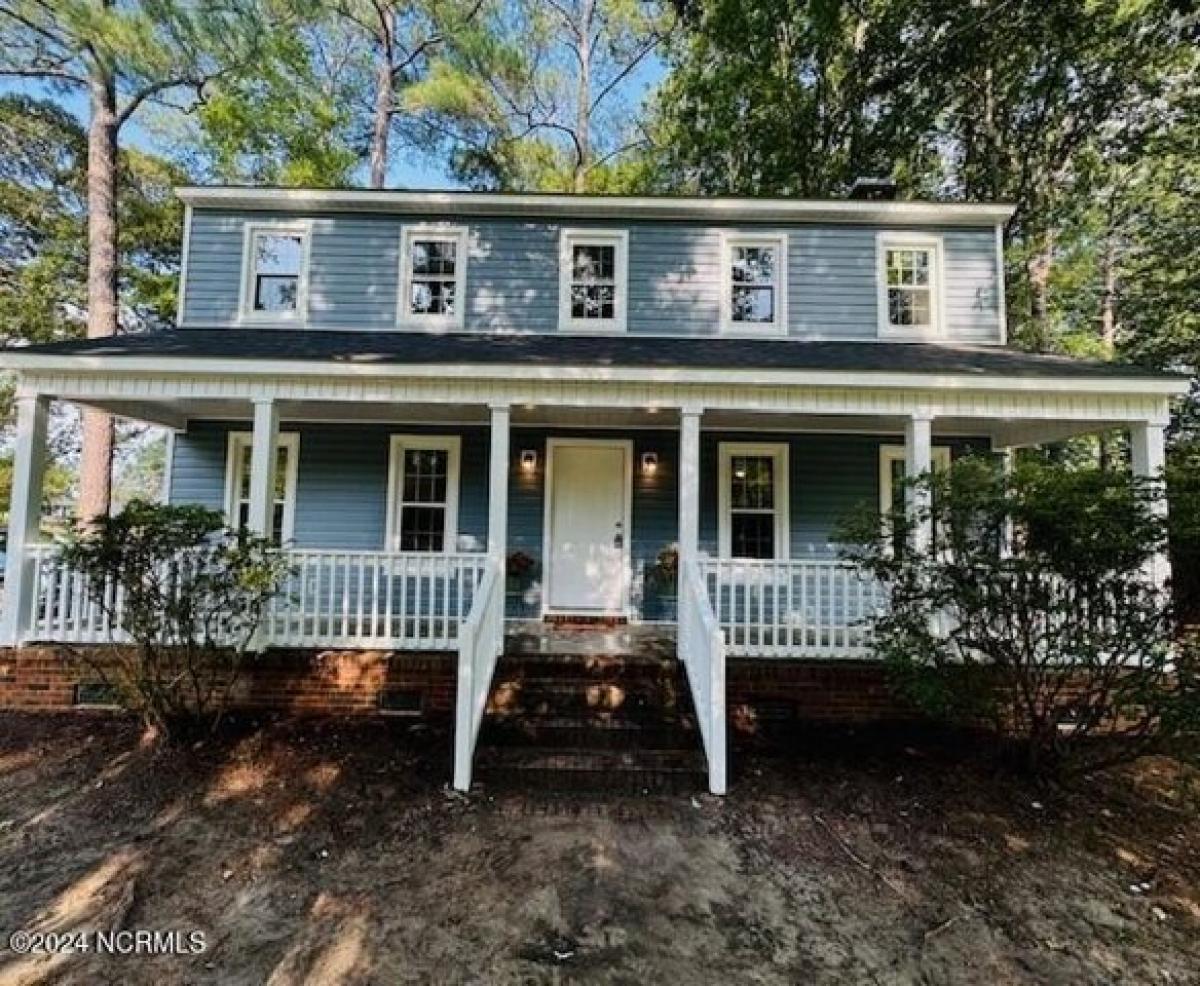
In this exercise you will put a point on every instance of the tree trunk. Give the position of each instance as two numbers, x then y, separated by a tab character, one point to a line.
1108	301
384	103
1039	287
95	467
583	97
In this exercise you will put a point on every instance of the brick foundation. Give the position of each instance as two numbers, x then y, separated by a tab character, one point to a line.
780	691
349	682
304	682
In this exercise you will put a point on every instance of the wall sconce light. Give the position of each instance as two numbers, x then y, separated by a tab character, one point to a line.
649	463
528	460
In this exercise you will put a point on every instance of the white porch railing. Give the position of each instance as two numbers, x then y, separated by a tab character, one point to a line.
701	647
328	599
480	643
804	608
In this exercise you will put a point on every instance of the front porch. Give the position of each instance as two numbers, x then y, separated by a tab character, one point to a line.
424	508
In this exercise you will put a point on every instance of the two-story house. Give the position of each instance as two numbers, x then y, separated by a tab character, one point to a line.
460	409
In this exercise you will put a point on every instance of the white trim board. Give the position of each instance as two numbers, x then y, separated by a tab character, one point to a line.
627	446
124	367
447	203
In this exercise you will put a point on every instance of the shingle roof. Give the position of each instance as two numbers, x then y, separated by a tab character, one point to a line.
706	352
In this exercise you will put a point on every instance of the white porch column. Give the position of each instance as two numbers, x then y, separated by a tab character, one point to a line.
689	484
25	511
497	541
1148	449
918	461
264	457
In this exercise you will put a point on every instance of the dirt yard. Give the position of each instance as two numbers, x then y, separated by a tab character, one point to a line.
323	853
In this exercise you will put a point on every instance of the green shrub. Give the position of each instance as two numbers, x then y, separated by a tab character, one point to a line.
1036	607
185	596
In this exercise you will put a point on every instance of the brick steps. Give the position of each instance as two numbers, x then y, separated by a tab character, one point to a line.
570	722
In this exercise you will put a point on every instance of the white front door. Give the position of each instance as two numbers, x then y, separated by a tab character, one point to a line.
587	521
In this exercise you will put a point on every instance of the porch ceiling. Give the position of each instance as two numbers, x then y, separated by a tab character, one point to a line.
1002	433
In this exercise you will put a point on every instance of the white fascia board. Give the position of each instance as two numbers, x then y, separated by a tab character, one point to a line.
307	200
124	366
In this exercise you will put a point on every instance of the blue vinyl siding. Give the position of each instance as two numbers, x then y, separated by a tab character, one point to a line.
675	272
341	484
343	472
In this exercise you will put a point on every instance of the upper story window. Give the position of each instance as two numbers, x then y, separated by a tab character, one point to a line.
275	279
909	284
423	497
754	283
237	483
593	280
433	276
754	501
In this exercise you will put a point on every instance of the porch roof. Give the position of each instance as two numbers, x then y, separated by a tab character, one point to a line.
675	352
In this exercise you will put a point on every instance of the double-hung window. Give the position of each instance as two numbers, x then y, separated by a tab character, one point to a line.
754	501
423	497
909	284
433	277
593	280
754	283
275	275
237	483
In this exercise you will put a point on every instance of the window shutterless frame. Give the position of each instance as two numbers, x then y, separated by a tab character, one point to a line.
400	444
743	251
889	455
778	452
459	236
610	281
252	232
930	245
235	474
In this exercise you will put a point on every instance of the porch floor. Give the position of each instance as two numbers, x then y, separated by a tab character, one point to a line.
649	644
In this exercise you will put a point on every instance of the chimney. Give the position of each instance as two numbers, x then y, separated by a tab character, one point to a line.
873	189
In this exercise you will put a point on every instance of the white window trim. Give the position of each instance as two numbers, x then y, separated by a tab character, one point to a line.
896	240
434	231
246	313
783	529
780	324
452	444
239	440
570	238
940	456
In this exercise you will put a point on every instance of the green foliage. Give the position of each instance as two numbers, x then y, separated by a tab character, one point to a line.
534	94
192	593
43	246
1036	606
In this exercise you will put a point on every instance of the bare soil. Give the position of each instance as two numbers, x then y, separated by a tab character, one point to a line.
330	852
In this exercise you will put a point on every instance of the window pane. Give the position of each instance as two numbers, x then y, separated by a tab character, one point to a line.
425	475
593	262
753	482
754	265
593	302
433	297
275	293
278	254
434	256
422	528
753	304
752	535
909	306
